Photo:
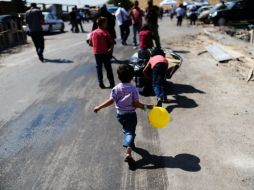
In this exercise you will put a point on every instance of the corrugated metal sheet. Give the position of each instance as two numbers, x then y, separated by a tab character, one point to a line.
218	53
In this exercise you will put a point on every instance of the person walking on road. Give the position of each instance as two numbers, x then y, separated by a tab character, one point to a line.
102	44
122	17
126	99
35	19
136	16
151	17
73	19
179	15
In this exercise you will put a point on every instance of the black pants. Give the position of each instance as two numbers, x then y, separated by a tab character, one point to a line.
38	41
104	59
124	31
179	21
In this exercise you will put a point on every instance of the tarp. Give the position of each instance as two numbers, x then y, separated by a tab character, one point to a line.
168	2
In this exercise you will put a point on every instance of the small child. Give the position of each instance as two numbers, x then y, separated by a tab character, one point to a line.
102	45
145	37
126	100
159	65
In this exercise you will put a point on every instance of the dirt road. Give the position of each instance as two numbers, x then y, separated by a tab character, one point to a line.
51	139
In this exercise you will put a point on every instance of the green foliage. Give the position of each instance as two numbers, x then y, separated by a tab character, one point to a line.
126	3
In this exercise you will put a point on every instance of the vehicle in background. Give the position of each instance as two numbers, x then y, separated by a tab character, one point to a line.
203	13
232	12
51	23
10	21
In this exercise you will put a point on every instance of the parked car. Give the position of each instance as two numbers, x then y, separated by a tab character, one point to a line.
232	12
203	13
51	23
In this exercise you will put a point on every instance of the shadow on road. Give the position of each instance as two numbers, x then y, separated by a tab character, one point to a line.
114	60
58	61
174	88
181	102
186	162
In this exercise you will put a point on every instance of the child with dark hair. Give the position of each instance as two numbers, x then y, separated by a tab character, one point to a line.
126	99
102	44
159	66
145	37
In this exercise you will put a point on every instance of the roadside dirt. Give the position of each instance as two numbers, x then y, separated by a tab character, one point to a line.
240	66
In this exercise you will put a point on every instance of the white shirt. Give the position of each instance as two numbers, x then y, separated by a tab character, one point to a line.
121	15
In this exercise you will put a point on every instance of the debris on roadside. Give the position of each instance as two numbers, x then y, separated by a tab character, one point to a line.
202	52
218	53
250	75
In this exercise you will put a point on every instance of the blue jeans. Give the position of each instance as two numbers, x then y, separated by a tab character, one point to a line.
159	80
136	30
129	123
104	59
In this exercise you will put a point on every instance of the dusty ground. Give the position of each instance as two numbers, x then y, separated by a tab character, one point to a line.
215	120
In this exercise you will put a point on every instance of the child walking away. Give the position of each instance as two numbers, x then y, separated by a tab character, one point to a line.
159	65
126	99
102	45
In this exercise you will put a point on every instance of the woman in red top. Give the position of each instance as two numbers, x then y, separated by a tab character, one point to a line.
102	45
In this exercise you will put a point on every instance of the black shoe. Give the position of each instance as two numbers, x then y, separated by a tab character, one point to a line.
159	102
41	58
112	86
102	86
124	43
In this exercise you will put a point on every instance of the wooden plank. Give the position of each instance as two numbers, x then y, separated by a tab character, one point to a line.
218	53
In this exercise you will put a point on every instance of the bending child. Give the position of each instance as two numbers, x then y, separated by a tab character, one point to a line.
159	66
126	99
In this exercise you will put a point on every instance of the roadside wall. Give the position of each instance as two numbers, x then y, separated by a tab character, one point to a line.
10	35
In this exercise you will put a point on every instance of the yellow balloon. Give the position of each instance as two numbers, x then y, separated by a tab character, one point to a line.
158	117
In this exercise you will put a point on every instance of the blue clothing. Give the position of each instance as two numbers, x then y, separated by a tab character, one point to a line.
129	123
159	80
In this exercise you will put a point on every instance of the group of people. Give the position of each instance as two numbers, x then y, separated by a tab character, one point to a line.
102	39
76	19
103	35
125	95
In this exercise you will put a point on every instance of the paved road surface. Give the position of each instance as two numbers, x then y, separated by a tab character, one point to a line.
51	139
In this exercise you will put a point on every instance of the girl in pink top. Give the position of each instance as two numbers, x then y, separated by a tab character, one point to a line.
159	65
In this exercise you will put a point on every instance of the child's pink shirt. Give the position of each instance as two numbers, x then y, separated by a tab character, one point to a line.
157	59
100	40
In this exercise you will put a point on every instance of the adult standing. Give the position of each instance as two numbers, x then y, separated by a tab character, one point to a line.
193	15
35	19
136	16
111	20
74	22
122	16
152	14
179	15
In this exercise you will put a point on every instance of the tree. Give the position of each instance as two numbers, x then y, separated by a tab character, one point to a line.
126	3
